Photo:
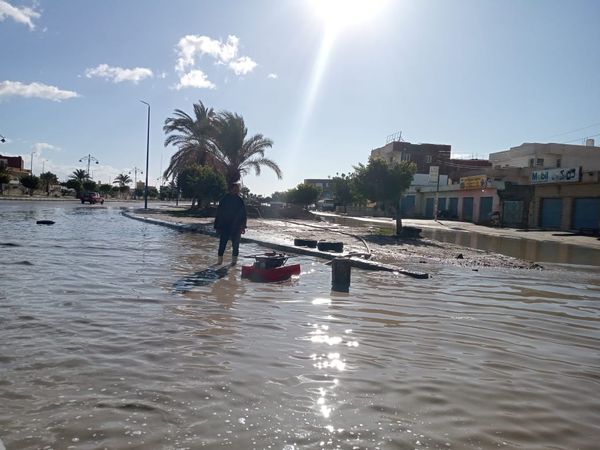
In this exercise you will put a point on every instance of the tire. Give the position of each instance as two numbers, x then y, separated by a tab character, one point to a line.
102	202
82	201
326	246
311	243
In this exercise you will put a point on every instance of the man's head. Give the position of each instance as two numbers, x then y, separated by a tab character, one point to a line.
234	188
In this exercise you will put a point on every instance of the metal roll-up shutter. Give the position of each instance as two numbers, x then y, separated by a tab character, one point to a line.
485	208
550	213
586	214
453	207
467	211
429	208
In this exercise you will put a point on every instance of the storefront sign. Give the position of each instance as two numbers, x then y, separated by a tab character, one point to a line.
475	182
566	175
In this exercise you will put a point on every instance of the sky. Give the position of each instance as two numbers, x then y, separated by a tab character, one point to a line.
327	81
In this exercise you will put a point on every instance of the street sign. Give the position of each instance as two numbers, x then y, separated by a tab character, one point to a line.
434	173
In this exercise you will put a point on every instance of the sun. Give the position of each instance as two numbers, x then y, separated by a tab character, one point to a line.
338	14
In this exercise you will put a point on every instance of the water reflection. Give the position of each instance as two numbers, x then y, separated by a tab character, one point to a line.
526	249
103	354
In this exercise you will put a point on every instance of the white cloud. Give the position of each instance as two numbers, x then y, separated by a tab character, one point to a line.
39	147
242	65
225	53
273	76
38	90
118	74
191	45
21	15
195	78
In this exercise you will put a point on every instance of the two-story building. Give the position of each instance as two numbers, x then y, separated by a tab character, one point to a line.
550	186
324	184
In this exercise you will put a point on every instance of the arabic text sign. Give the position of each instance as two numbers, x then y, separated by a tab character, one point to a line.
566	175
475	182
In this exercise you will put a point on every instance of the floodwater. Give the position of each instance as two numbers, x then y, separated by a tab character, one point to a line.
98	349
522	248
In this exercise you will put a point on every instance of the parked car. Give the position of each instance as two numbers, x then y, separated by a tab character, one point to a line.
92	198
326	204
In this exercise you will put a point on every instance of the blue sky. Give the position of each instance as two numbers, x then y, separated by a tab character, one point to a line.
482	76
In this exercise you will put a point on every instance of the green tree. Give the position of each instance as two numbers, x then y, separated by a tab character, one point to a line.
152	192
342	190
304	194
192	136
122	180
235	153
202	184
77	178
47	180
384	183
31	182
89	185
278	196
4	178
105	189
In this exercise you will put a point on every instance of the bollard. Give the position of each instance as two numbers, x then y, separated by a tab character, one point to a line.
340	274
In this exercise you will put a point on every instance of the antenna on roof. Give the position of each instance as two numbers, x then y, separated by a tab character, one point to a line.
396	137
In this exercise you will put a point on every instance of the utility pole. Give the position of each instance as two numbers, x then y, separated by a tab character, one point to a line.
135	171
147	155
89	158
434	174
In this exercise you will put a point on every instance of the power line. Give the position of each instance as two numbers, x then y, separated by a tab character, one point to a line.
581	138
573	131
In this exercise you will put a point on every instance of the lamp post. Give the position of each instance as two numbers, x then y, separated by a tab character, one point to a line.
135	171
31	166
147	155
89	158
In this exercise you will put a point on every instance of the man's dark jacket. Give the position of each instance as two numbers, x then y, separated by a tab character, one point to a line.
231	214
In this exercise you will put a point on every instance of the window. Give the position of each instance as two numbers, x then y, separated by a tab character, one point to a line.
405	156
539	162
428	158
531	161
558	162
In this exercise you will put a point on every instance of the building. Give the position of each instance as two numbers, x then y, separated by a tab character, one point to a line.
324	184
550	186
423	155
447	193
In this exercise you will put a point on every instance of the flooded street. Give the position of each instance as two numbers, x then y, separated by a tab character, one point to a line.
99	350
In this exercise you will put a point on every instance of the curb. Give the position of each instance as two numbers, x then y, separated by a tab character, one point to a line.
207	230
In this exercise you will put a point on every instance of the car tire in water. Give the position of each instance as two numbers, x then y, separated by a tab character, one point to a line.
326	246
311	243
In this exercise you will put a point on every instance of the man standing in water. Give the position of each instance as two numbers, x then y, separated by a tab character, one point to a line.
230	222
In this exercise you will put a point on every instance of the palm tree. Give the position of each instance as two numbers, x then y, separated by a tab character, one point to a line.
48	179
79	175
237	154
122	180
192	135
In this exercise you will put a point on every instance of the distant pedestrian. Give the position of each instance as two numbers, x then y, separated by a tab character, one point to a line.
230	222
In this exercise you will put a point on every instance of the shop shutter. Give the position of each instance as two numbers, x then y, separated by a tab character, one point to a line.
485	209
429	208
586	214
551	213
467	212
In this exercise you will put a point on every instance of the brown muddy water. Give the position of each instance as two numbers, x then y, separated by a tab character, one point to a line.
107	340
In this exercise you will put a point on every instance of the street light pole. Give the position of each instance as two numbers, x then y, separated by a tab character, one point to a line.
89	158
31	167
147	155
